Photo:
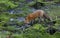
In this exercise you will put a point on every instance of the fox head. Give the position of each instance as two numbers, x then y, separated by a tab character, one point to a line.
26	21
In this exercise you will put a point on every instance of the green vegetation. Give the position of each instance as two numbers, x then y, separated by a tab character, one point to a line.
35	31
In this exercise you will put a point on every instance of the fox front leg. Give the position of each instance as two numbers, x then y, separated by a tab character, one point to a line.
32	22
40	19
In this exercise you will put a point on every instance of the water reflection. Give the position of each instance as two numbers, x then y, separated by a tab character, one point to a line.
11	19
11	11
15	11
20	19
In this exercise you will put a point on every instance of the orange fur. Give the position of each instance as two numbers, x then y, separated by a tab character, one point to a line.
35	14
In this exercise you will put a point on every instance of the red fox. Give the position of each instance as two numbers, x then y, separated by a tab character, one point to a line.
36	14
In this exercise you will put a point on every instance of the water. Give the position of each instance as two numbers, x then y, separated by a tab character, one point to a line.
11	11
11	19
20	19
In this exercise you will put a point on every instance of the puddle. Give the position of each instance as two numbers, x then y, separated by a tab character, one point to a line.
20	19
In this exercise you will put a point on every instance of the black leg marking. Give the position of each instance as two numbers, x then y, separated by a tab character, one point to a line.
39	19
31	22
